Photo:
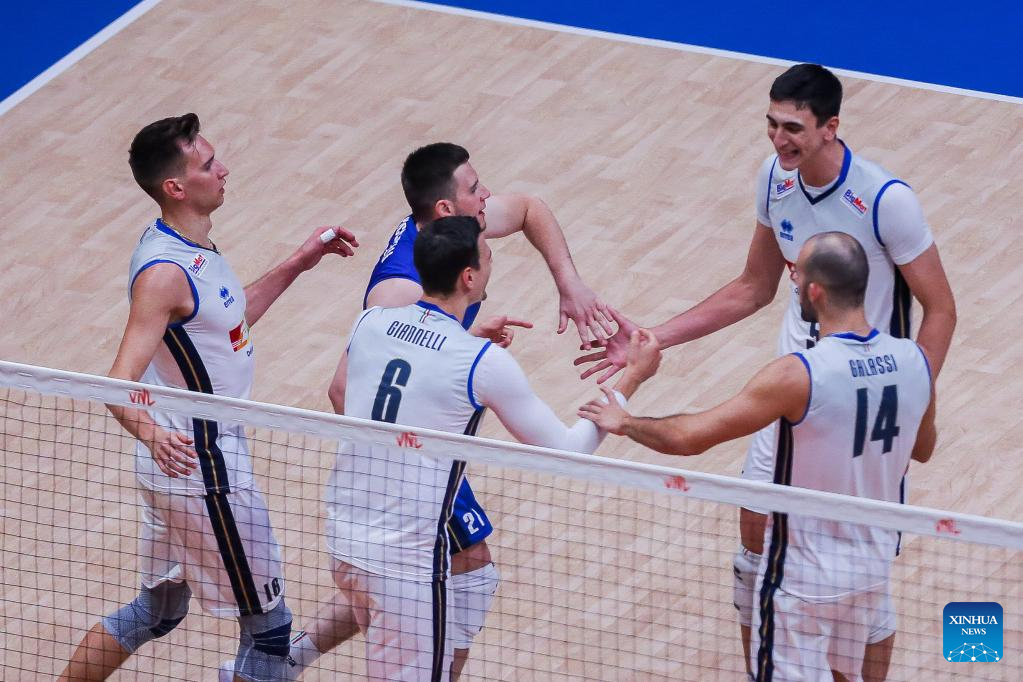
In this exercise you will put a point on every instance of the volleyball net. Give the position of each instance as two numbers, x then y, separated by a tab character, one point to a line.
610	569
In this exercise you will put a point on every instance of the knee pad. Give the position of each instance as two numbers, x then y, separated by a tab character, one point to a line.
472	595
152	614
745	565
264	644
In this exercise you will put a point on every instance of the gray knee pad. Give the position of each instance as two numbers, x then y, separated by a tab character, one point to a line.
264	644
745	567
153	613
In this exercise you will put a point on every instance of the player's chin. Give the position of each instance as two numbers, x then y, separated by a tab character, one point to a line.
789	161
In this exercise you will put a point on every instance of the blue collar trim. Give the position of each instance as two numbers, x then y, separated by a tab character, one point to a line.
857	337
846	162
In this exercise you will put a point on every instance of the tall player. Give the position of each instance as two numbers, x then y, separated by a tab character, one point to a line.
439	181
814	183
389	509
850	412
205	529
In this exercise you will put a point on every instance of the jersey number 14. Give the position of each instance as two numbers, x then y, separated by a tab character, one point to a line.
885	427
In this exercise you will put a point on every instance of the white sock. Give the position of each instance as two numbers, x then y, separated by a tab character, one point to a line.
303	654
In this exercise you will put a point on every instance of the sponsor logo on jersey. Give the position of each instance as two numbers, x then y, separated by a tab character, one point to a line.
784	187
240	336
226	297
141	397
676	483
199	264
854	202
972	632
409	440
786	229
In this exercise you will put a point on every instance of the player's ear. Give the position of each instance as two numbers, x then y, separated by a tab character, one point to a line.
444	208
814	292
173	189
831	128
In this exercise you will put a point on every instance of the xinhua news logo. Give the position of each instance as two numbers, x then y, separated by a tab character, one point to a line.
972	631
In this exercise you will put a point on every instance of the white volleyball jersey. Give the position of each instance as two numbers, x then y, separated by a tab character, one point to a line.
208	352
891	237
867	398
388	507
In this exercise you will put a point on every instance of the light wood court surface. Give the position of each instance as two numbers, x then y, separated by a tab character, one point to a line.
646	155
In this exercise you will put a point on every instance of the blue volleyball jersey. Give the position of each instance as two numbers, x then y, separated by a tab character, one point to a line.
396	262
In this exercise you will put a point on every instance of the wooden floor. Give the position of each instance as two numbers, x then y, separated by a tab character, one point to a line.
646	155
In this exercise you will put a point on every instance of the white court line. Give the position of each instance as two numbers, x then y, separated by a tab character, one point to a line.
76	55
683	47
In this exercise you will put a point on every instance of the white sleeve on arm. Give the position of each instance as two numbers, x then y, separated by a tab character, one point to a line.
901	226
500	384
764	189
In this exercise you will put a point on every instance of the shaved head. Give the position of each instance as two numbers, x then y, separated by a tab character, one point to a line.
838	264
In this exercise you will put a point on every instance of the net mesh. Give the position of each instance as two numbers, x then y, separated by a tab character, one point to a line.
604	577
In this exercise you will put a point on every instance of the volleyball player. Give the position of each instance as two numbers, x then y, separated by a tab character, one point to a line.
388	508
438	181
205	528
850	413
814	183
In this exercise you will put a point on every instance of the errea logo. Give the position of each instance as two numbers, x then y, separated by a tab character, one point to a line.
786	229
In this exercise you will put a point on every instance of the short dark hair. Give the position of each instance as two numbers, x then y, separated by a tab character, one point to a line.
810	85
156	153
443	249
427	176
838	263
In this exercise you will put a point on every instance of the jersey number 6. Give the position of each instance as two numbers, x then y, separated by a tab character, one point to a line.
385	405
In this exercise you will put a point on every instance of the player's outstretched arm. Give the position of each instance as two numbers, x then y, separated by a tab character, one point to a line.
781	389
261	294
737	300
160	295
510	213
500	384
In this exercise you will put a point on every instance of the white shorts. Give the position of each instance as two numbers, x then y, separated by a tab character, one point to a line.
805	640
471	595
745	567
221	545
404	623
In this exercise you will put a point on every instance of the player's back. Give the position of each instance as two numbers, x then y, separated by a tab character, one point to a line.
868	396
388	505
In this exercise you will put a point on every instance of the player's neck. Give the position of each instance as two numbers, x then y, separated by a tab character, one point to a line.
845	321
192	226
454	305
825	166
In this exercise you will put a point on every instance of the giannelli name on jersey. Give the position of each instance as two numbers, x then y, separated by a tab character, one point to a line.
417	336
